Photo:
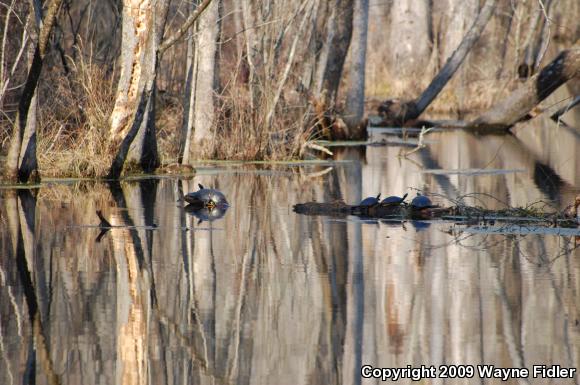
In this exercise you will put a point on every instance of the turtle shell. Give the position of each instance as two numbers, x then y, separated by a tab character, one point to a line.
206	197
421	202
370	201
393	200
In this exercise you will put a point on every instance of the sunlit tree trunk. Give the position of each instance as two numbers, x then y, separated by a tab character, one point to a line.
355	94
202	76
133	117
21	162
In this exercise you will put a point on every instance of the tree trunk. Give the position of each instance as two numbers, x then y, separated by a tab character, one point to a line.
334	53
188	99
139	59
517	105
204	84
355	94
410	38
21	162
394	113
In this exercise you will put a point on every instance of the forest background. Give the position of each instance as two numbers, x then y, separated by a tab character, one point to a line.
100	88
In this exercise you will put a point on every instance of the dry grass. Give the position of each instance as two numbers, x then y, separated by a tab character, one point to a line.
168	121
73	122
242	132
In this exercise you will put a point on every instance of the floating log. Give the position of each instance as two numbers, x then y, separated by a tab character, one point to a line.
569	217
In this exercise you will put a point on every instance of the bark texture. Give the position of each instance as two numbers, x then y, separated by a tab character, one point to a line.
410	36
21	163
140	40
519	103
205	82
334	53
355	94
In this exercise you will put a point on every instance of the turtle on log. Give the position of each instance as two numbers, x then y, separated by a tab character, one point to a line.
206	197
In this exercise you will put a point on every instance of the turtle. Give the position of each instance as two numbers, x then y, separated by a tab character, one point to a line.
206	197
421	202
370	201
393	200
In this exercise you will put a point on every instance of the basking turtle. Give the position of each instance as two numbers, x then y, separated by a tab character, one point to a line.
421	202
206	197
393	200
370	201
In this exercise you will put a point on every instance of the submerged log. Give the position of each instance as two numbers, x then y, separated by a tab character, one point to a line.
517	106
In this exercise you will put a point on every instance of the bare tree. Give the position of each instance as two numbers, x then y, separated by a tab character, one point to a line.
21	164
355	94
333	55
202	78
141	38
133	117
394	112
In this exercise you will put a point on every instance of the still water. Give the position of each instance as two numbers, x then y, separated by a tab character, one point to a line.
266	296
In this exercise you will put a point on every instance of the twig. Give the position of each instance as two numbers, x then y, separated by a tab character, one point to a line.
315	146
421	143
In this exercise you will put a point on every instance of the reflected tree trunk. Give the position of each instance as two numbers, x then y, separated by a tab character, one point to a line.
535	41
133	295
21	212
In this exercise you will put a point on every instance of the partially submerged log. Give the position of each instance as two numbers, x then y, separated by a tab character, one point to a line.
569	217
340	208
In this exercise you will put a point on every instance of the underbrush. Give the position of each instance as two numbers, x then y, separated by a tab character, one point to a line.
242	131
74	119
73	122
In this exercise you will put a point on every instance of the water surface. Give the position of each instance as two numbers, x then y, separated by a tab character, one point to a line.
266	296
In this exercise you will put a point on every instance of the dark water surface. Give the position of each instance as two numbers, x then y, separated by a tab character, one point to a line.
266	296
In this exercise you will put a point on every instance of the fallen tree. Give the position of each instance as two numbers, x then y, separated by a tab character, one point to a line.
518	105
396	112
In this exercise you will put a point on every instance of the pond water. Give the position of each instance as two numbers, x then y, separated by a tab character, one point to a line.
266	296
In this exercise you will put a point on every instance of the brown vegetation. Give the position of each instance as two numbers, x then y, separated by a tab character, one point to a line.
281	74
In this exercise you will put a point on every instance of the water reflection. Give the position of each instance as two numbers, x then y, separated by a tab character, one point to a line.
271	297
206	214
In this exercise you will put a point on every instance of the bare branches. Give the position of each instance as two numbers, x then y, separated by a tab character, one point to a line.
178	34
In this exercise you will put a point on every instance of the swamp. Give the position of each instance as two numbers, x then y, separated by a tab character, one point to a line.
189	192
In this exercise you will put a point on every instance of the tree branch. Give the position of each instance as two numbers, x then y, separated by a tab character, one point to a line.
178	34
